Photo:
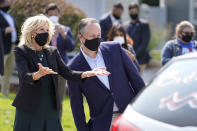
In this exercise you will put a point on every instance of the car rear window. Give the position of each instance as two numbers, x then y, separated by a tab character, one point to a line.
171	97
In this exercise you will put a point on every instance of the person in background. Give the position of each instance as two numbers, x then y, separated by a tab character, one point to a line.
63	40
107	96
182	44
37	100
9	39
118	34
138	30
1	57
111	18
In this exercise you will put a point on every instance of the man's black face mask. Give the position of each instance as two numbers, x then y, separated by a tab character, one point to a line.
92	44
5	9
134	16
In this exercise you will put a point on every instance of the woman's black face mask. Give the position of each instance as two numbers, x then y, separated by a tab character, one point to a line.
42	38
187	37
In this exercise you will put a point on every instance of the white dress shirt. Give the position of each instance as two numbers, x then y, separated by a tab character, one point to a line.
99	62
10	21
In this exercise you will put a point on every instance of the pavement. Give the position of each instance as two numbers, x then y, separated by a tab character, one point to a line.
152	68
149	73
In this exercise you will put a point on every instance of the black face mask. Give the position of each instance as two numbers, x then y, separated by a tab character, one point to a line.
187	38
92	44
134	16
5	9
42	38
116	17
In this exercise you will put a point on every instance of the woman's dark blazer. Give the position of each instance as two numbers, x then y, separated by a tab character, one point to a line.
29	92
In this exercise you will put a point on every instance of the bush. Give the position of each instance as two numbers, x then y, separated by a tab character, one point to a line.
70	15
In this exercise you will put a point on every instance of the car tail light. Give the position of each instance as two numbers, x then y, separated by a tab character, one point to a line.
121	124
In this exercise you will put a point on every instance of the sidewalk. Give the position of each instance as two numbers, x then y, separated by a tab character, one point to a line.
149	74
151	70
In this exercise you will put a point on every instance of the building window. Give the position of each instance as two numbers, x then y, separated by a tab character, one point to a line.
193	11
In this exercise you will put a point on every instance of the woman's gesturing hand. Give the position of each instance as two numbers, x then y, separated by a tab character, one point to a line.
42	72
45	70
101	71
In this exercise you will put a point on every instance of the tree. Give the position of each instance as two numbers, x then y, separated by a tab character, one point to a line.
70	15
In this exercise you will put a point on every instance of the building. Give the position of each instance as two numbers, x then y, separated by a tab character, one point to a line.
96	8
179	10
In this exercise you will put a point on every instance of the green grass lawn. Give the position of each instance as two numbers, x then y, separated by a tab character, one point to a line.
7	113
156	56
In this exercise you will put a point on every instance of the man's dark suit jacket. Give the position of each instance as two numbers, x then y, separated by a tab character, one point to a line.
140	33
7	43
106	24
28	95
125	82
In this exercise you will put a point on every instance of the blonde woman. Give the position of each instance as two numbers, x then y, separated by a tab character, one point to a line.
182	44
37	101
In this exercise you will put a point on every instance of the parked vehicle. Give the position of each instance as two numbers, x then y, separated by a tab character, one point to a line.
167	103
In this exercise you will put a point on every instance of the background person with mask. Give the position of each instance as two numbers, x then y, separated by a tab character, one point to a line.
111	18
63	40
9	37
118	34
107	96
182	44
138	30
1	57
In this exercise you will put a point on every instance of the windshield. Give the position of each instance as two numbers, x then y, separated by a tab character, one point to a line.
171	97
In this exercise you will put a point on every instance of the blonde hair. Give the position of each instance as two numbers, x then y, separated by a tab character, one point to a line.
30	25
181	26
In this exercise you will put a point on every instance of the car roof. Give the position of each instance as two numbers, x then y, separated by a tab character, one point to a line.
192	55
189	55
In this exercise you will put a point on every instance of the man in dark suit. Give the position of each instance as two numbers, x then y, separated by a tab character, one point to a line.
64	42
9	37
138	30
107	97
111	18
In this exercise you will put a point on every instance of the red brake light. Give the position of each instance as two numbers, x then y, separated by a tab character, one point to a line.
121	124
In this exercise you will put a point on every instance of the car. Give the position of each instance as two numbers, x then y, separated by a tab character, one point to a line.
167	103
